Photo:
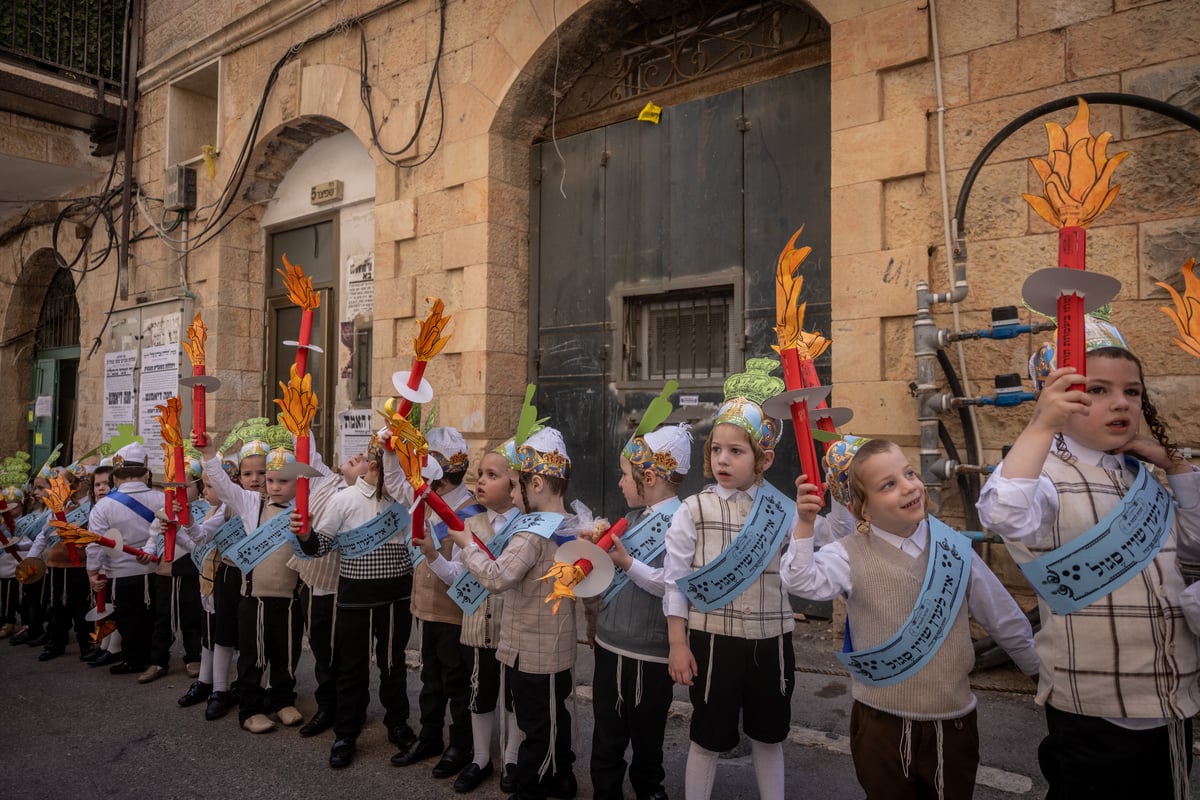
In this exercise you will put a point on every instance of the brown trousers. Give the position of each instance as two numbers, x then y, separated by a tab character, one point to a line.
876	743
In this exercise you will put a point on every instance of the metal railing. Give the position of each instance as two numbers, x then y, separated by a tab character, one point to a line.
79	39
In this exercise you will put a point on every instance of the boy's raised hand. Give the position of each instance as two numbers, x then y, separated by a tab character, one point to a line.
210	446
620	556
294	525
1147	448
1057	401
808	502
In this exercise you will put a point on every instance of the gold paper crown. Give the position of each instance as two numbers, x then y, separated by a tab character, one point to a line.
553	463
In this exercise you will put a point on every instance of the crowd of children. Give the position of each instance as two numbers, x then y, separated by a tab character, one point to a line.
700	597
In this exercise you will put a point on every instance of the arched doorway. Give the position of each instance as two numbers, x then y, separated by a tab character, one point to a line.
654	241
54	405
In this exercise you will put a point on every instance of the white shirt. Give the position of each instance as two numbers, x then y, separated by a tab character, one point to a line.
448	569
108	514
825	575
645	577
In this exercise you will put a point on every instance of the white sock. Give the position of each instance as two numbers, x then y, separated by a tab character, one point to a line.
515	737
768	769
222	660
481	737
206	665
113	643
701	773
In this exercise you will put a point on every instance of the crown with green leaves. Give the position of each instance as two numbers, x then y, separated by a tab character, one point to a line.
257	437
745	393
638	451
14	474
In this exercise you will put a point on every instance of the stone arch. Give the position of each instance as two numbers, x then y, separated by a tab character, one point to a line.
279	150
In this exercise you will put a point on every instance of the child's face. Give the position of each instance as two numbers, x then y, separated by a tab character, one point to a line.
1115	415
629	484
253	473
210	494
894	494
101	484
193	491
514	493
492	487
40	487
279	489
731	458
355	467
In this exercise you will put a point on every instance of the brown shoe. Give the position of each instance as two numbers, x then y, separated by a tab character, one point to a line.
7	630
152	673
192	668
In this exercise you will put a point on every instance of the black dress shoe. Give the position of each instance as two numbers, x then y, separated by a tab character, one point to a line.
23	637
342	753
197	693
562	786
421	750
472	776
219	704
657	794
321	721
125	668
453	761
87	653
41	640
104	659
402	736
49	653
508	781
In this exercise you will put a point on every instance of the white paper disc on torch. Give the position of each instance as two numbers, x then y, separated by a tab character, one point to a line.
297	470
780	406
210	382
294	343
96	615
602	567
422	394
118	541
1043	288
839	416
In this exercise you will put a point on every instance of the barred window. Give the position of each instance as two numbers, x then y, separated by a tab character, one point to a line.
682	334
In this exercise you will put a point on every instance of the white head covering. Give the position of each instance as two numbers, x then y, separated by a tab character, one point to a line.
448	447
545	453
131	455
675	440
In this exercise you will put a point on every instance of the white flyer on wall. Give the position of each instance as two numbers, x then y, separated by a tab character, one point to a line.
355	426
119	369
159	380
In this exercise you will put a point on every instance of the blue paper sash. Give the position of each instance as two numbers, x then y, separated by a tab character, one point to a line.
722	580
229	534
199	509
30	525
366	538
921	636
441	531
644	543
200	553
1111	553
132	503
466	591
262	541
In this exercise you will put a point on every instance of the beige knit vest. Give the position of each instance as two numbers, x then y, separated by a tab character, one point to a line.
887	584
1131	653
763	610
272	577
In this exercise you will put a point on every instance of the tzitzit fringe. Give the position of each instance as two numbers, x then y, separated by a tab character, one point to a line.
1179	775
712	643
291	629
260	657
473	701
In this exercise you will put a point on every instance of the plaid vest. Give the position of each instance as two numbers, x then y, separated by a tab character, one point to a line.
482	629
1131	653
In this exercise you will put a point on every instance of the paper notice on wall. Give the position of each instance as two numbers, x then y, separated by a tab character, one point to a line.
159	380
119	369
43	406
360	285
161	330
355	426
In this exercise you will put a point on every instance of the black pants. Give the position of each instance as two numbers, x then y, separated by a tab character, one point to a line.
178	603
949	757
276	623
538	699
1088	757
227	599
34	601
10	599
485	680
445	680
622	719
70	601
318	611
390	625
132	599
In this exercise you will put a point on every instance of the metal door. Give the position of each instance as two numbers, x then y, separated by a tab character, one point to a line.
714	190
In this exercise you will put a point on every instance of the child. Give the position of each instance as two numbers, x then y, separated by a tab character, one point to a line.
129	508
269	625
480	630
66	579
374	586
212	679
537	647
913	731
14	472
632	688
1120	667
445	679
108	650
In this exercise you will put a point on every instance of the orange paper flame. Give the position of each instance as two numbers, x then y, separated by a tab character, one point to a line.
197	335
1076	173
566	577
789	315
299	286
299	403
428	344
172	434
59	493
104	627
1186	313
73	534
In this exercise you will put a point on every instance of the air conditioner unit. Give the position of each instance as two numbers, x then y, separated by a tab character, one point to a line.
179	189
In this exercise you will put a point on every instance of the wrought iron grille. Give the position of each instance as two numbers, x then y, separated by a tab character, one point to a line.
708	37
679	334
58	325
80	39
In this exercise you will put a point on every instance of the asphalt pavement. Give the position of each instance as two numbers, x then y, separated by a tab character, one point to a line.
71	731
